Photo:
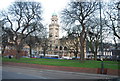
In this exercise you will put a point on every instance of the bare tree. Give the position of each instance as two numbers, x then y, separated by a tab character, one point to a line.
82	12
22	16
30	41
112	18
93	42
6	36
71	42
38	38
44	45
93	34
34	37
44	41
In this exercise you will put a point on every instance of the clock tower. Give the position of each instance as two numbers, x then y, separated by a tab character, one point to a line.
54	34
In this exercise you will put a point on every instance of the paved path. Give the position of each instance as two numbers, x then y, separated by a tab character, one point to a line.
0	72
63	68
17	72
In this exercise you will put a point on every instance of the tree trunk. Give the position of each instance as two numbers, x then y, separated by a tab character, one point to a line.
44	51
3	50
116	47
81	47
95	56
96	47
82	52
18	55
18	50
75	53
30	50
82	41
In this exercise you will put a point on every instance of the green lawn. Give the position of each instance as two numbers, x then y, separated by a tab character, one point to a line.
70	63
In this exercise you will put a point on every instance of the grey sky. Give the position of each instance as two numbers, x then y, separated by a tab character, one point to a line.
49	7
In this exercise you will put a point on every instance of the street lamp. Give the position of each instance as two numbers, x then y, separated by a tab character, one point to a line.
102	64
118	6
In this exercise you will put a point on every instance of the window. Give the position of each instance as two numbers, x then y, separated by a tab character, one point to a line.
50	35
56	47
65	48
60	47
56	28
56	35
51	28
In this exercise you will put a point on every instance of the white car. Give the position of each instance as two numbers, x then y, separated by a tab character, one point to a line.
66	57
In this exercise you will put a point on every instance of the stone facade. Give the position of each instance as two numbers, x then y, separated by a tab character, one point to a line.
61	46
53	34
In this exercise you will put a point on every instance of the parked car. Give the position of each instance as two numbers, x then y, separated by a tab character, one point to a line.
65	57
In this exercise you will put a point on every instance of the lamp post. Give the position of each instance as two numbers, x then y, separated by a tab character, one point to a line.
118	13
102	64
118	6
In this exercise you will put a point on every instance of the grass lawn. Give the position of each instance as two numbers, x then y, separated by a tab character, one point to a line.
70	63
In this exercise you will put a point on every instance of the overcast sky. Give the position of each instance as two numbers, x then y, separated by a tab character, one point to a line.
49	7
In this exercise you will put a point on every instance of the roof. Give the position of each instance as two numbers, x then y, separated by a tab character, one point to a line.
54	14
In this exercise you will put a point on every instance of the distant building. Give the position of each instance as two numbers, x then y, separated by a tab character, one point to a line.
53	34
64	46
56	46
10	47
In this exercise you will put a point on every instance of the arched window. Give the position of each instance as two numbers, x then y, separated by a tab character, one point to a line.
56	28
65	48
56	47
56	35
50	35
60	47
